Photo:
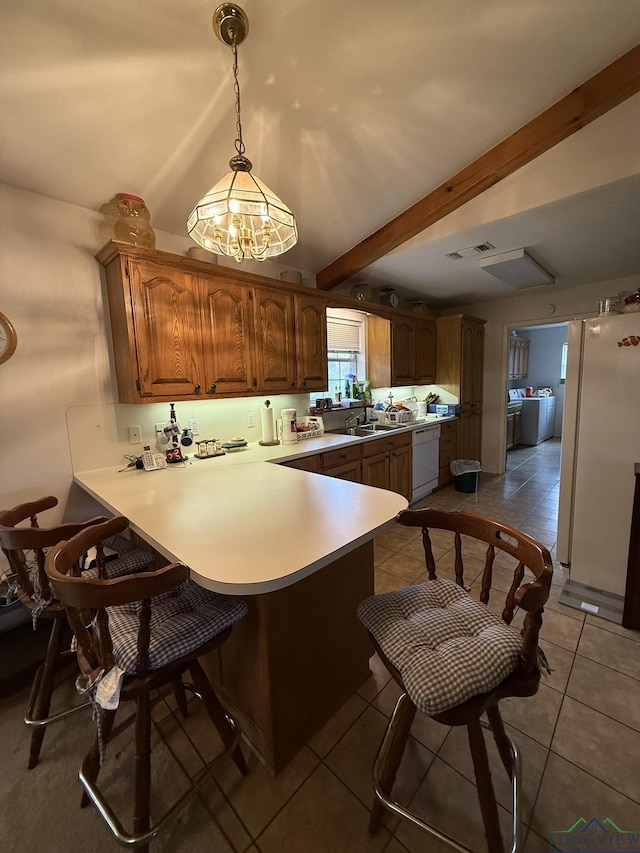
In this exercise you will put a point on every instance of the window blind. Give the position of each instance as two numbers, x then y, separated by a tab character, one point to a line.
343	335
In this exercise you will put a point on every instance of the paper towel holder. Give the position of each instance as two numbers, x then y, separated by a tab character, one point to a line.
267	403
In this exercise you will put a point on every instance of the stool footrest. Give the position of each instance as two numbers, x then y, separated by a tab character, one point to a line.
385	796
133	840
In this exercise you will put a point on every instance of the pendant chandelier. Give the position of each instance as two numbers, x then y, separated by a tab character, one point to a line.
240	217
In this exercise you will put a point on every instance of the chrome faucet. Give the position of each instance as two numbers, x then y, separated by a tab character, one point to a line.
352	420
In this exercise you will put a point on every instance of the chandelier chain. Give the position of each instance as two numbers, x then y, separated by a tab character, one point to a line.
236	88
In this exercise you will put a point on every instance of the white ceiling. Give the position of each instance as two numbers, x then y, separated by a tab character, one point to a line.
351	113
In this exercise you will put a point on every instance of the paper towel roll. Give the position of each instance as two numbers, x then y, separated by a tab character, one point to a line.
266	416
289	434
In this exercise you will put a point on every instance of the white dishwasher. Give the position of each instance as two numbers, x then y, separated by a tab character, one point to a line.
426	462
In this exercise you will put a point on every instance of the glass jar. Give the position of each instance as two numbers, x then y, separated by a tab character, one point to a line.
132	223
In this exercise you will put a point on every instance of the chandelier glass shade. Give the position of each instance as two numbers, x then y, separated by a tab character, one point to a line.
240	217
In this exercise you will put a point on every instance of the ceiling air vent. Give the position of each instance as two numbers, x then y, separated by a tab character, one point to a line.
471	251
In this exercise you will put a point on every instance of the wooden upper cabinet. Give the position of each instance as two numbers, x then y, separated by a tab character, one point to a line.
425	370
168	344
459	369
312	371
228	349
274	331
403	350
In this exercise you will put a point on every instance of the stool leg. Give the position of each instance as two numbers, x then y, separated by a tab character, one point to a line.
44	680
91	763
403	722
180	697
486	794
501	739
215	711
142	776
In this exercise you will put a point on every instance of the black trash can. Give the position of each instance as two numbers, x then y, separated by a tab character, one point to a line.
465	475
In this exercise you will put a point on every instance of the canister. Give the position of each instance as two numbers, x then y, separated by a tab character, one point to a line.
289	433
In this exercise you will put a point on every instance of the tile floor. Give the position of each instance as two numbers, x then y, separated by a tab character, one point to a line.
579	736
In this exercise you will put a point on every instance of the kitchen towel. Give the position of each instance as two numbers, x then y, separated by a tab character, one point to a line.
266	417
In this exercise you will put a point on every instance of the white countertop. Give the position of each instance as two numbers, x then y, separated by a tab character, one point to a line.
243	526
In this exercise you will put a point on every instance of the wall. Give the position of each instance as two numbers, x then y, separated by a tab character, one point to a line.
545	357
52	291
518	312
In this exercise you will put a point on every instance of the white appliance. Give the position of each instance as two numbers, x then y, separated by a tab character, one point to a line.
538	419
426	460
600	446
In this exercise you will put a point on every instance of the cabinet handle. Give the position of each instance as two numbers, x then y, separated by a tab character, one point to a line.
304	384
212	388
197	389
293	384
255	382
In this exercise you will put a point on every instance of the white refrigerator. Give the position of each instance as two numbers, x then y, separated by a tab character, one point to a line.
600	446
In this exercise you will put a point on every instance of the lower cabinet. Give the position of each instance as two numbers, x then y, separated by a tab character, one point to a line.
386	463
343	463
448	451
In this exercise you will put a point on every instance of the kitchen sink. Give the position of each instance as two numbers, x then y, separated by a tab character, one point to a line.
376	427
365	429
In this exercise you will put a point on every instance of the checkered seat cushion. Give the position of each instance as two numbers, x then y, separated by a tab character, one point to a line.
446	645
181	621
123	557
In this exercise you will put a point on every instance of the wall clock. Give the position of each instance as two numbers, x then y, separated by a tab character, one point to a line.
388	296
8	338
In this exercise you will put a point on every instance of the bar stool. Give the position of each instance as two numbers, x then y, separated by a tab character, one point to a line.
25	549
455	659
135	635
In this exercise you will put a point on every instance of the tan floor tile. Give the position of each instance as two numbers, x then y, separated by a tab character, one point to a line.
554	604
598	622
376	682
535	844
560	661
352	759
607	691
322	817
561	630
258	797
535	716
381	553
608	750
225	816
324	740
610	649
455	751
404	566
568	793
449	802
386	582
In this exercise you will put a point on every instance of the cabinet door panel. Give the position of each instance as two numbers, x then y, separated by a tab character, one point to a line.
228	353
312	372
400	472
166	308
425	370
275	341
403	351
350	471
375	471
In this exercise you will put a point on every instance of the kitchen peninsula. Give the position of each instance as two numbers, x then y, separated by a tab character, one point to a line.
297	546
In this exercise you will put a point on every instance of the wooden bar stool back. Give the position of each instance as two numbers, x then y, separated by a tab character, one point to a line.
146	629
455	659
25	548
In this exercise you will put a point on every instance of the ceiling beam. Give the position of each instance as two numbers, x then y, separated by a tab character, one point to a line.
610	87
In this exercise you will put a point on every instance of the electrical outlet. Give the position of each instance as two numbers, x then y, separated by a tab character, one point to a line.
135	435
251	419
194	426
